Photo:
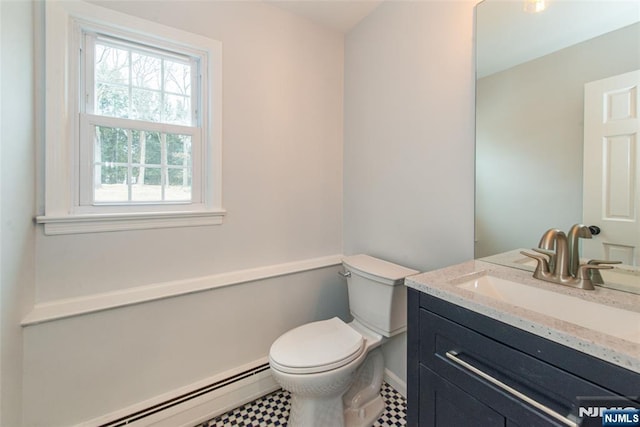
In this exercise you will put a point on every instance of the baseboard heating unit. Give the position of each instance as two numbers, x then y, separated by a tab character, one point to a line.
188	408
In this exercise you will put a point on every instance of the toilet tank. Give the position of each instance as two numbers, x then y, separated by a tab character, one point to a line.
377	295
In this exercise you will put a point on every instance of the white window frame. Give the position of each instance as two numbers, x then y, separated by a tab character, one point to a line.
66	122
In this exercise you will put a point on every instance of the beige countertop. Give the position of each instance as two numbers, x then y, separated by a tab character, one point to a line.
442	284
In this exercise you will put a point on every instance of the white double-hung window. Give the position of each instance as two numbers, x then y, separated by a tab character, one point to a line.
137	143
139	125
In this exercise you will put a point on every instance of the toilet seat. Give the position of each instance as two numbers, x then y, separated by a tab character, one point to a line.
316	347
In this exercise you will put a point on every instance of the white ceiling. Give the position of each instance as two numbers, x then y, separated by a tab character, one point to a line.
507	36
341	15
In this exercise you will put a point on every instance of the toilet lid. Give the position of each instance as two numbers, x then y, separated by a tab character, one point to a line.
316	347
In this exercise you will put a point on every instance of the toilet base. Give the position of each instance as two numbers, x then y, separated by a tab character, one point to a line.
362	402
316	412
366	415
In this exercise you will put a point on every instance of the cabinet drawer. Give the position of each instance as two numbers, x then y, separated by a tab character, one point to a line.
540	381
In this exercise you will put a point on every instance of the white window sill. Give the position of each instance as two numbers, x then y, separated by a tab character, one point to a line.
97	223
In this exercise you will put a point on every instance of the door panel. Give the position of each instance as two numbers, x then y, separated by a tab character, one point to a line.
611	176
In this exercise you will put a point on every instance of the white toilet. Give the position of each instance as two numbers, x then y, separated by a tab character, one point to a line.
334	370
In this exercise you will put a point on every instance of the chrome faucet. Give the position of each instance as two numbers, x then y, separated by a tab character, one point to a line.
562	264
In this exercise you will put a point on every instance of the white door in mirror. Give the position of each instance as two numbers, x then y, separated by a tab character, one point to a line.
611	167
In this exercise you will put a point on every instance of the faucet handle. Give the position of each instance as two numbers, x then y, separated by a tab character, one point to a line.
602	261
588	275
542	267
594	274
588	267
544	251
550	254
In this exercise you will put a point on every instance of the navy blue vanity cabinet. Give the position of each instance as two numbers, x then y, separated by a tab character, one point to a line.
452	351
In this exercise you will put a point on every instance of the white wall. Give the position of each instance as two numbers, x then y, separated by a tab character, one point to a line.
17	178
530	137
409	138
282	188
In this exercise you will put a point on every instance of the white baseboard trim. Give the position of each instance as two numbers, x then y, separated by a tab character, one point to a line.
197	409
64	308
394	381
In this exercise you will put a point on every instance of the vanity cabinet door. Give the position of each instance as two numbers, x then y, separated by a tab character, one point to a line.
443	404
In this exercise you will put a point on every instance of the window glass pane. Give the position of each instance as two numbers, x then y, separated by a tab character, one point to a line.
177	78
179	177
111	185
145	86
152	176
135	175
145	105
138	142
146	71
147	193
152	149
133	166
112	100
111	81
111	145
113	175
148	187
179	184
111	64
178	150
177	110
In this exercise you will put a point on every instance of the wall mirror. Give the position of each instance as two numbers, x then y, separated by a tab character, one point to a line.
535	169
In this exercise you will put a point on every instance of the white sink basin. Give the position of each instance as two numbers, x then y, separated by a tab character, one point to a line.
617	322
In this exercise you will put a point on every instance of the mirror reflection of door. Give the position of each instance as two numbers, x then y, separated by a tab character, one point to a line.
611	168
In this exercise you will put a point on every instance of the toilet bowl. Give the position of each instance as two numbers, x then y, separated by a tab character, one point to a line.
334	370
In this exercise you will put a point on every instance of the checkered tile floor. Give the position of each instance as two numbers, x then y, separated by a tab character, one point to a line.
273	410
